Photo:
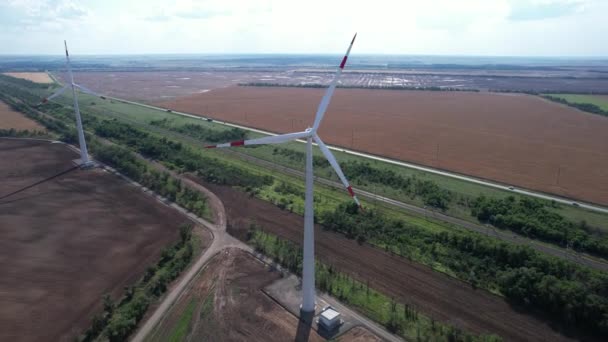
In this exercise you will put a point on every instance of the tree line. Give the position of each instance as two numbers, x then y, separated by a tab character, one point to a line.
586	107
529	217
399	318
483	261
200	132
119	319
572	295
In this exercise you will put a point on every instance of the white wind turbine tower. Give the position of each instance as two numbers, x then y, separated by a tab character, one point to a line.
310	134
84	155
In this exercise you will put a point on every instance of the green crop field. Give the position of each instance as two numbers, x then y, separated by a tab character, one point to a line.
599	100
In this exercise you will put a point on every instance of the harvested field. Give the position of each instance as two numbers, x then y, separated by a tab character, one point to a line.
435	294
68	241
514	139
13	119
226	303
37	77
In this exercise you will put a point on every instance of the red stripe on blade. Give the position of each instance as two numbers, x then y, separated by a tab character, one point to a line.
343	62
211	146
238	143
350	191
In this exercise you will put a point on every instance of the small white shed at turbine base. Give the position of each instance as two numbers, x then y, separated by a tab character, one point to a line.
329	319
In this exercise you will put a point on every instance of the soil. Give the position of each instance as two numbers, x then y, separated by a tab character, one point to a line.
13	119
433	293
238	309
359	334
36	77
519	140
70	240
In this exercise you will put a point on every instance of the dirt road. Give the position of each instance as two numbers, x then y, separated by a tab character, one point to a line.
434	294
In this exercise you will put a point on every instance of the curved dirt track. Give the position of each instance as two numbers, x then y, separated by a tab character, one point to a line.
433	293
514	139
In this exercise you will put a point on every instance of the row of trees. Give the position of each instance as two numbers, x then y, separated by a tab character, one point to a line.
530	217
119	320
586	107
178	155
160	182
573	295
481	260
402	319
21	133
200	132
363	173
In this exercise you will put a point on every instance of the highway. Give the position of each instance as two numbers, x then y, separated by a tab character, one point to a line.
471	179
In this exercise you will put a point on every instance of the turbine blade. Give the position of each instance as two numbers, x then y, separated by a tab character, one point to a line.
88	91
334	163
276	139
54	95
330	91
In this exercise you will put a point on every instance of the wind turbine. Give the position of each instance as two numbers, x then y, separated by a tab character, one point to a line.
84	155
310	134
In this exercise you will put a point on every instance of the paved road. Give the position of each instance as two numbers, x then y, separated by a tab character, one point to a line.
495	185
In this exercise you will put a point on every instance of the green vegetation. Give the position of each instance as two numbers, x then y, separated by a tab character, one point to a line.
21	133
587	103
529	217
398	318
385	87
180	331
573	295
119	320
185	129
160	182
200	132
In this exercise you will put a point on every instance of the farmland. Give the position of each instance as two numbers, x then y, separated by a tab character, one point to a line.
12	119
599	100
430	292
37	77
513	139
70	240
225	303
461	192
169	153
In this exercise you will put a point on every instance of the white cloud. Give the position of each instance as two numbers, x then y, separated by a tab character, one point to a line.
465	27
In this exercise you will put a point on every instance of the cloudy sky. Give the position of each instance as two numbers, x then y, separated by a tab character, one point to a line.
428	27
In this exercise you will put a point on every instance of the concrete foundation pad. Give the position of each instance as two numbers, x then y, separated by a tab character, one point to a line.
287	292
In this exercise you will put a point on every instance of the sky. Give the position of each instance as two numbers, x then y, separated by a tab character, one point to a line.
417	27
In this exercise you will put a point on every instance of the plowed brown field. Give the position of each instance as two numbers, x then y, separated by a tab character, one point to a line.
12	119
433	293
514	139
67	242
227	304
37	77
